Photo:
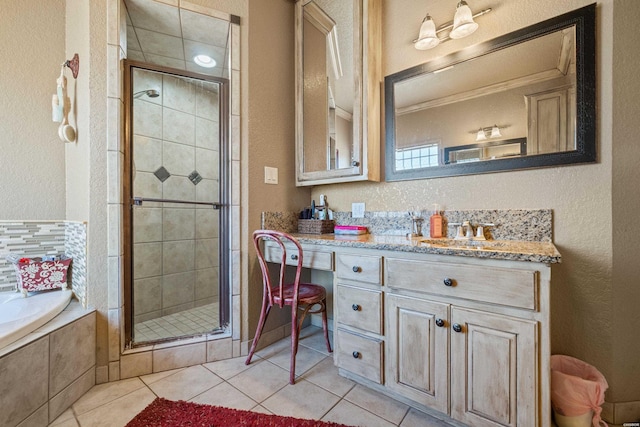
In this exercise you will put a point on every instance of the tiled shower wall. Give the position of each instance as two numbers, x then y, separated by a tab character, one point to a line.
38	238
176	156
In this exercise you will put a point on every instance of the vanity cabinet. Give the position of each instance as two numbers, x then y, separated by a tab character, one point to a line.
358	306
465	331
465	336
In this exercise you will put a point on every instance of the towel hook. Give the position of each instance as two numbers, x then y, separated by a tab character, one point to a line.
73	64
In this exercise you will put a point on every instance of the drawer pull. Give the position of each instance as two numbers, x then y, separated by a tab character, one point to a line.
448	282
356	269
356	354
294	257
356	307
457	327
439	323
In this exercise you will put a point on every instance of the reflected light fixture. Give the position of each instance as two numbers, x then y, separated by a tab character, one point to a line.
204	61
495	132
487	133
461	26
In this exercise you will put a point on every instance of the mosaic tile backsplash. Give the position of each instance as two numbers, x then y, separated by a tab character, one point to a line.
510	224
38	238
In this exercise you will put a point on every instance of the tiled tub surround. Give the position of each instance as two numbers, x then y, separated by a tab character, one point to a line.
43	373
175	157
38	238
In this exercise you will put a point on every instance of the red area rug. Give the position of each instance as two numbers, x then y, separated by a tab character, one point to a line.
167	413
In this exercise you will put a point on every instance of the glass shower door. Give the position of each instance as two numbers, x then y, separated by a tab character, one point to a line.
178	284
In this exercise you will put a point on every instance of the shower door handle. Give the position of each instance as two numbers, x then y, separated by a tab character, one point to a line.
137	201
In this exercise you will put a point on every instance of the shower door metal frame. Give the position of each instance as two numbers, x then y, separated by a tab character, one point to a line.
224	205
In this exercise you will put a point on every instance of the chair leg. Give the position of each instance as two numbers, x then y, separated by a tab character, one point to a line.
325	326
266	308
295	331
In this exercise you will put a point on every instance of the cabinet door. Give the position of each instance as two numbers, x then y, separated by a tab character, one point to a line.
493	369
417	350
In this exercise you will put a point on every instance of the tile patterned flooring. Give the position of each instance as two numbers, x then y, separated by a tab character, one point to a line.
194	321
263	386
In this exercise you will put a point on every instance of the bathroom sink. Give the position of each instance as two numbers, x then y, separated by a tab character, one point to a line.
486	245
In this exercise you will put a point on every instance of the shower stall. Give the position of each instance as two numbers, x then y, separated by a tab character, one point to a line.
176	215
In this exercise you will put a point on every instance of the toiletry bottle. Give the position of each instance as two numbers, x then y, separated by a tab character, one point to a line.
435	223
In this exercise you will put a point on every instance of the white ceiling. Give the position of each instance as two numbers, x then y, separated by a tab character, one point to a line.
169	36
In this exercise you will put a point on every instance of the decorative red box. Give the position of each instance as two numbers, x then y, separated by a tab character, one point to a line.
36	275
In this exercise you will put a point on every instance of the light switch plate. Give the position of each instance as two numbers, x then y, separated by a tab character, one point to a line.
357	210
270	175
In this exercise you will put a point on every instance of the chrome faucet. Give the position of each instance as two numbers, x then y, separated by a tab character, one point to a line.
465	230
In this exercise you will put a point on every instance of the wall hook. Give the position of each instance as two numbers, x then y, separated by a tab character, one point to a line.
74	65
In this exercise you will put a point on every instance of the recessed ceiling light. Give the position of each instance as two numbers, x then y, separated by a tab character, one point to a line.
204	61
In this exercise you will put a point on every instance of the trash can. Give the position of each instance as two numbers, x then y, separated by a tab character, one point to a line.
577	392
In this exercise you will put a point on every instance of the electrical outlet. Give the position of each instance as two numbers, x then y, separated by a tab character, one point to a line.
357	210
270	175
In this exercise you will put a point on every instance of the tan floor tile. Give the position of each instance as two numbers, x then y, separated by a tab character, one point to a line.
325	374
416	418
225	395
118	412
105	393
274	348
157	376
261	381
352	415
302	400
261	410
377	403
186	384
230	367
305	359
66	419
313	338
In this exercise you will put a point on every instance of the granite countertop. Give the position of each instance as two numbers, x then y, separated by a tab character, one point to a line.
544	252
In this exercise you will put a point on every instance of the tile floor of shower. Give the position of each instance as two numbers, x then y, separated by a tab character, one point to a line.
262	386
194	321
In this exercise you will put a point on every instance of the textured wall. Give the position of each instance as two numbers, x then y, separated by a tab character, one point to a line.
584	319
31	154
271	132
626	200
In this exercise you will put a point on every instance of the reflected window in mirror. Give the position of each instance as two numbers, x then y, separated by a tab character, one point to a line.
523	100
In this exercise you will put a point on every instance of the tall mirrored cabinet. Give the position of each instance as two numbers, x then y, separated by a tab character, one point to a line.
338	76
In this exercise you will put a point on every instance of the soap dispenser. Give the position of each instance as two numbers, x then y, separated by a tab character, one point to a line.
435	223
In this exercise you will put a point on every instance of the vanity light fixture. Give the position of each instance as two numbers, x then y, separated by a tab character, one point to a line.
461	26
204	61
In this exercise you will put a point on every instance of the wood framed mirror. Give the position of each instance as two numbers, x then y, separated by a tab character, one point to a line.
338	75
535	86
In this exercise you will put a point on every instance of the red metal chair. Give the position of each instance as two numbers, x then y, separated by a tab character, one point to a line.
298	295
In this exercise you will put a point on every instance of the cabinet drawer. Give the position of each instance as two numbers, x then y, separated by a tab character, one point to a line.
360	355
359	308
361	268
511	287
318	260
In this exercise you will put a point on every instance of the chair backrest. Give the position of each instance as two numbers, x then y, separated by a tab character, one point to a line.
280	239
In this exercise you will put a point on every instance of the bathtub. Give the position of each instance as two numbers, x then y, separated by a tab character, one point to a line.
20	316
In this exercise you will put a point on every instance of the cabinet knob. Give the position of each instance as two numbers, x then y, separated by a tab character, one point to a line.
448	282
356	354
356	269
356	307
457	327
294	256
439	323
355	163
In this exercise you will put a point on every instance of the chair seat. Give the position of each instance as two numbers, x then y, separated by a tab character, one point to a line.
308	293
